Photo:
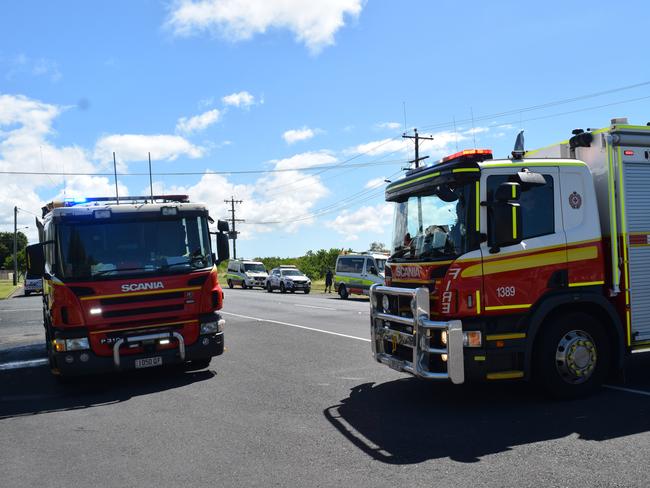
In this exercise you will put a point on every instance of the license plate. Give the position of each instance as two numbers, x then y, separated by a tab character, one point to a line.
148	362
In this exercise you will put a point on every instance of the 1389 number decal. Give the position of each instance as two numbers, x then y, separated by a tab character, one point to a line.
506	291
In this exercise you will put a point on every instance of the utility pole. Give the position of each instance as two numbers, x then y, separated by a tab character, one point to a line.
417	138
233	232
15	246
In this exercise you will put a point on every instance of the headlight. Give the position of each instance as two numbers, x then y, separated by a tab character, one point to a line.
385	303
472	338
213	326
77	344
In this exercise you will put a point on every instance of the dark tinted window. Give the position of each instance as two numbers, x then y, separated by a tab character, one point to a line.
350	265
537	206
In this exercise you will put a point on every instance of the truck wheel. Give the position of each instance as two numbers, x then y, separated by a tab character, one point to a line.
198	364
230	285
269	288
282	288
572	356
343	292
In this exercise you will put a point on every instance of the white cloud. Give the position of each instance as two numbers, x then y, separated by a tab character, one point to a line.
43	67
240	99
477	130
375	182
295	135
389	125
198	123
372	219
134	147
314	23
377	148
305	160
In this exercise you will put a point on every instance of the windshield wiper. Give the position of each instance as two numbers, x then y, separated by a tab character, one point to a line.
116	270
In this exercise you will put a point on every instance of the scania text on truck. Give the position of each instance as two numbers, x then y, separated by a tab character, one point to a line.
129	284
534	267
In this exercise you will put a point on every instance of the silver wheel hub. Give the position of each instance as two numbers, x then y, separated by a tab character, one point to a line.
576	356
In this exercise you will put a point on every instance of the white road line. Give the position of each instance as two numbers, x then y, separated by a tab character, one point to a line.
31	363
294	325
21	310
314	306
628	390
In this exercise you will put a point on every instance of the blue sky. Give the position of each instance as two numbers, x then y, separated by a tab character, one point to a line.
228	85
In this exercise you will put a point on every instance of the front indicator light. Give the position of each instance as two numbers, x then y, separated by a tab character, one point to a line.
58	345
472	338
443	337
385	303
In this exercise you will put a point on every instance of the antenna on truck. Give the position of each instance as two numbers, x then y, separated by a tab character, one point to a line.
518	152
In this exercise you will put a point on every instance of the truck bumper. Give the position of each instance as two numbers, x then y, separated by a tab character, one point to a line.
404	343
75	363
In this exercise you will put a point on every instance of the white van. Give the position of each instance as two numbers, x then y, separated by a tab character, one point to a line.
247	274
357	272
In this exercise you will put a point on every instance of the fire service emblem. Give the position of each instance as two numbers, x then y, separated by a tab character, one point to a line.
575	200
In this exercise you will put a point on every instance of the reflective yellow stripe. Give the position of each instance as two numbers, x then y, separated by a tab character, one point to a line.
153	326
514	222
510	307
613	232
534	261
505	375
586	283
531	164
479	358
139	293
478	302
421	178
478	207
514	191
466	170
626	279
632	127
505	337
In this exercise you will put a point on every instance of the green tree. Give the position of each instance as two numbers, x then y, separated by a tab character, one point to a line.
7	247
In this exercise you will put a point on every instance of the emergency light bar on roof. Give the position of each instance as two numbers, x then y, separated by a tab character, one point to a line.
469	155
70	202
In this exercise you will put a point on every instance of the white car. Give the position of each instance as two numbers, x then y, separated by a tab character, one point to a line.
288	278
33	284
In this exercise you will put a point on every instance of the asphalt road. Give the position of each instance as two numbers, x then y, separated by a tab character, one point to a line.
297	400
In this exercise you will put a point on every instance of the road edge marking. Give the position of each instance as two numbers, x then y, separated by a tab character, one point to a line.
258	319
627	390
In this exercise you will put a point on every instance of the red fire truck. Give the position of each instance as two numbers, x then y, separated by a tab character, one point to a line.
533	267
129	283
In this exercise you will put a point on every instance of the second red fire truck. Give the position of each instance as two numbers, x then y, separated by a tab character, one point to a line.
533	267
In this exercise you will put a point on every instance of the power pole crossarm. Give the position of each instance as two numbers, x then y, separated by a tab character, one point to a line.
417	138
233	231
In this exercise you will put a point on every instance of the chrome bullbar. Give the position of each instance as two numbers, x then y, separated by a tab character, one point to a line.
144	338
418	341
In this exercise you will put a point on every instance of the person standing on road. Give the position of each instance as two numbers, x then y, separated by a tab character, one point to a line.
328	281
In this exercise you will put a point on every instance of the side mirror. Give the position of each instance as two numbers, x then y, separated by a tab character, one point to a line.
35	259
505	227
373	270
222	226
223	247
508	191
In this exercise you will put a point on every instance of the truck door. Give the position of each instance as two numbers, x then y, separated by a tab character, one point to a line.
515	277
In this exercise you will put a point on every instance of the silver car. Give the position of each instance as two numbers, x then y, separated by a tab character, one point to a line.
287	278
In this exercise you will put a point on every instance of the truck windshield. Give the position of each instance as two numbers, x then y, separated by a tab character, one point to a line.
435	226
254	268
115	248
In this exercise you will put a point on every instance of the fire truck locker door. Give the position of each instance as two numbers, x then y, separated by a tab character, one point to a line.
636	179
516	277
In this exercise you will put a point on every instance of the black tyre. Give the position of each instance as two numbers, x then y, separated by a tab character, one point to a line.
243	285
230	285
27	293
343	292
282	288
198	364
307	290
269	288
572	357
